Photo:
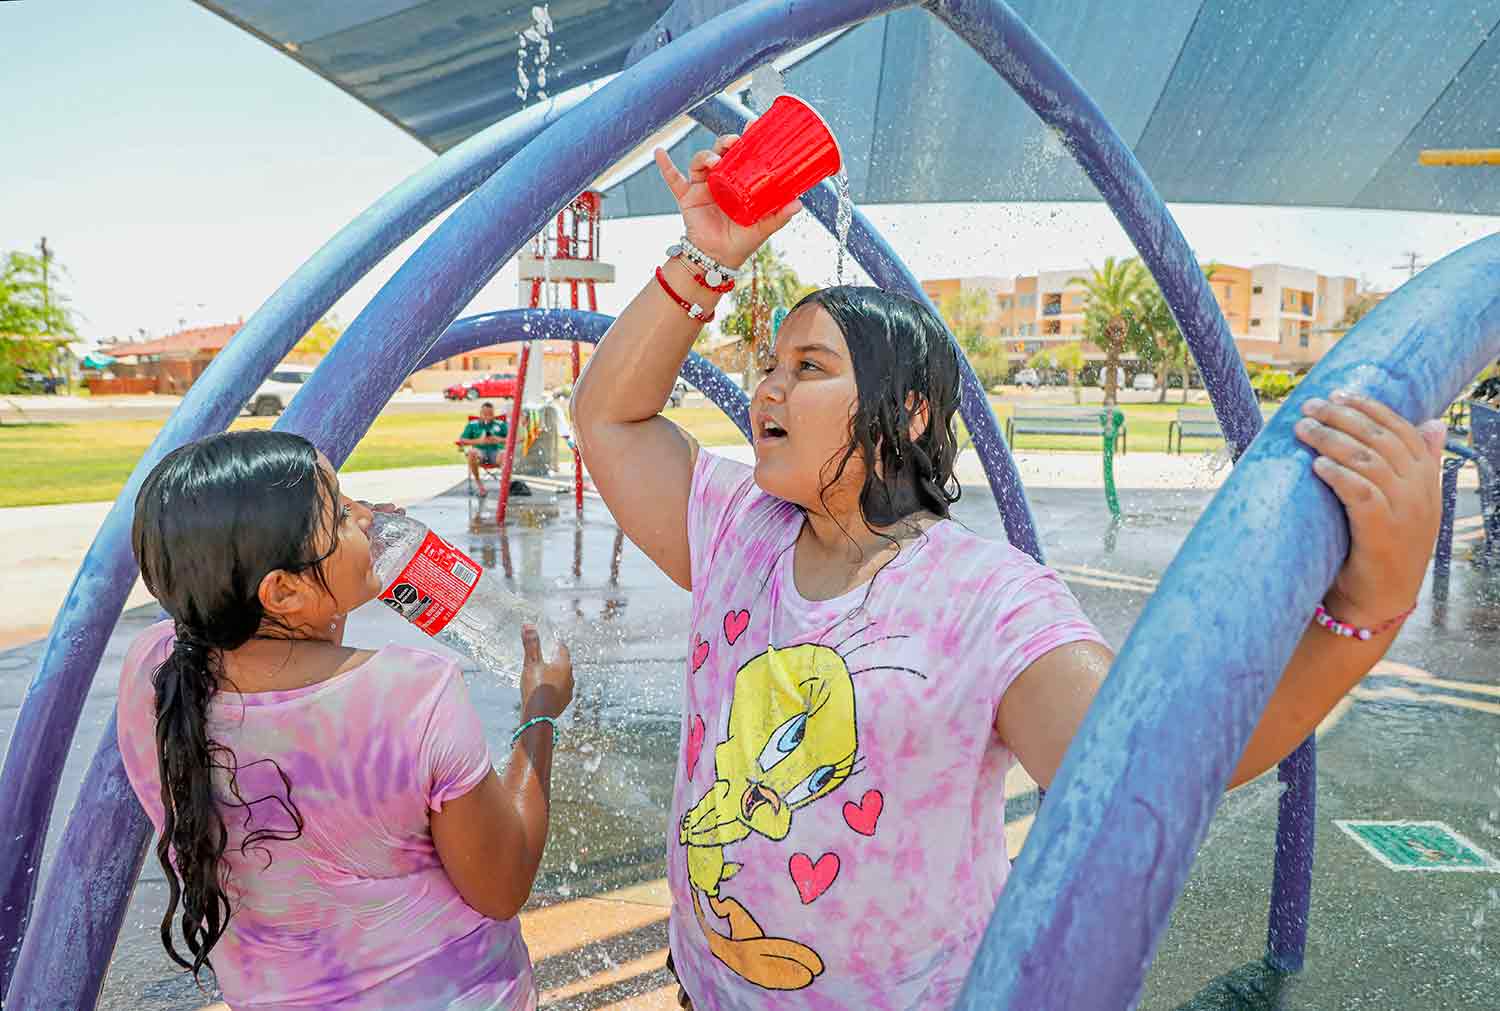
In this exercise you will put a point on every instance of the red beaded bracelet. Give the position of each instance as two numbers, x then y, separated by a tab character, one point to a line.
1327	621
718	289
693	309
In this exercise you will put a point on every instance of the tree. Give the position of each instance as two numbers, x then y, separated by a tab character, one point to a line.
35	318
1112	293
1067	357
30	304
766	282
1360	307
991	363
320	337
966	313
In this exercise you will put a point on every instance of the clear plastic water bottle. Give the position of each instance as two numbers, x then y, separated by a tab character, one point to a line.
450	596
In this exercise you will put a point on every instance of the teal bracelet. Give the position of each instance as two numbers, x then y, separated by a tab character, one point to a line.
549	720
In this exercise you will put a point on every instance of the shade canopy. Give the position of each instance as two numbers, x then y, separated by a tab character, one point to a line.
1323	103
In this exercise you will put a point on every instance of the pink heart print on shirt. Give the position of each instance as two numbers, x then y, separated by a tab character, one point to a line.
862	817
694	744
700	652
735	623
813	879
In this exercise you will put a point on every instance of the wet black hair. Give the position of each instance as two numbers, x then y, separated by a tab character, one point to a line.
904	363
212	520
488	403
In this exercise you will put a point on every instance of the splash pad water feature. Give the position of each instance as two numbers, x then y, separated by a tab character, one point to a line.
1105	841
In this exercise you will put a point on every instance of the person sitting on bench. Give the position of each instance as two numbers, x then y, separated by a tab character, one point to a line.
482	440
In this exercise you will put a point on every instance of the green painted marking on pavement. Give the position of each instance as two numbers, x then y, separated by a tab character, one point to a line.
1419	846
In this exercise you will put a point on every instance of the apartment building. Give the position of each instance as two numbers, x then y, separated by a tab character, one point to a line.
1279	315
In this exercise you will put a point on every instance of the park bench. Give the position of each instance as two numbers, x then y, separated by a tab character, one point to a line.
1060	421
1193	423
1484	452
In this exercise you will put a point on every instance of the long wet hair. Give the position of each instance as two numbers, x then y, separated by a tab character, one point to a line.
904	363
212	520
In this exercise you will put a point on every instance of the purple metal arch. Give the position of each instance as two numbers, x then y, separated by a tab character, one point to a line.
971	20
49	713
1036	75
1137	789
1005	42
465	252
62	960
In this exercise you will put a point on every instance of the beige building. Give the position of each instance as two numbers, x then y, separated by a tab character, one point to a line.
1283	316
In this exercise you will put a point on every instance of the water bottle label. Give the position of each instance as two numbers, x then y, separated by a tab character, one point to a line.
433	586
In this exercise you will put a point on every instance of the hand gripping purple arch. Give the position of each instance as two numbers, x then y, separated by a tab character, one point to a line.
1134	796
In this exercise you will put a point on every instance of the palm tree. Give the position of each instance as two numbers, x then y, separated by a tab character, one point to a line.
1153	335
1112	293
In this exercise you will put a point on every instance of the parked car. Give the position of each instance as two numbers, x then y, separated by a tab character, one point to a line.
1145	382
32	381
1120	378
1028	377
499	385
278	389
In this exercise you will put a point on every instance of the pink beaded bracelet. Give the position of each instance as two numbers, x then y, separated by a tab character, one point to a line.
1327	621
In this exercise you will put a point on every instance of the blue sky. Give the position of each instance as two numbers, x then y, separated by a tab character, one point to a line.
182	169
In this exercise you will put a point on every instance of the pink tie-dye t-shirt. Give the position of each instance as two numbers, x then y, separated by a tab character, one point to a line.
356	913
837	836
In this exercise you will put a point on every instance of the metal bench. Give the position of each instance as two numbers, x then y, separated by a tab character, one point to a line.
1484	453
1061	421
1193	423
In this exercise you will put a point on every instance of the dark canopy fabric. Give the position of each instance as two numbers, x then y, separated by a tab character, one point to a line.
1288	102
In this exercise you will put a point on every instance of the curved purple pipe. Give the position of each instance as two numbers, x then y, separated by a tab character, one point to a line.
62	961
1137	789
49	714
427	293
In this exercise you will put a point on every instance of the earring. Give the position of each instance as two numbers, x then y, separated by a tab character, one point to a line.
333	625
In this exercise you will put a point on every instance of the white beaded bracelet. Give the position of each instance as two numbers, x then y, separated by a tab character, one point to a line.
714	272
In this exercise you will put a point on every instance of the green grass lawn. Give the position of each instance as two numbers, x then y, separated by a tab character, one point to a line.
52	463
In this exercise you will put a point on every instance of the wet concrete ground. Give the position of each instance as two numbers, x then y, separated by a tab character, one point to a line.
1405	746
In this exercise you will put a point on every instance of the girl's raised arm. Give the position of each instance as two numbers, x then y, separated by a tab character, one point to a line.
641	463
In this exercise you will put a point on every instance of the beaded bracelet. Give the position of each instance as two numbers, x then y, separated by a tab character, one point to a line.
693	309
1327	621
549	720
714	272
718	289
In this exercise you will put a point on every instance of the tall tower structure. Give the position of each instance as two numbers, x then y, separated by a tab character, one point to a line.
566	254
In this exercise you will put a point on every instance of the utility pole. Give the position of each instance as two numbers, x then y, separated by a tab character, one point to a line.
1411	266
46	281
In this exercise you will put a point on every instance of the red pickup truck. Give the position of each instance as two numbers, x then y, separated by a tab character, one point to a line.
499	385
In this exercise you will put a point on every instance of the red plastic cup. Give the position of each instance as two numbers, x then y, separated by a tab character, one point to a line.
780	156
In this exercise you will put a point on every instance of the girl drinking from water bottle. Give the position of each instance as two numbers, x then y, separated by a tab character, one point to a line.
331	829
863	671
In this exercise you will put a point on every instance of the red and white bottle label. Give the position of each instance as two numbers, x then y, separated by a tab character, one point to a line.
433	586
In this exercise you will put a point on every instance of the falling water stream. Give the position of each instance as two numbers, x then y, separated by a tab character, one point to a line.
537	34
844	219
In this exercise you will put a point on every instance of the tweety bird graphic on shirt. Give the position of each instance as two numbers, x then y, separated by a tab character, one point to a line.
791	740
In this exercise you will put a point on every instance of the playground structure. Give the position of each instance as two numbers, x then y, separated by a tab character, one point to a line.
566	254
1121	825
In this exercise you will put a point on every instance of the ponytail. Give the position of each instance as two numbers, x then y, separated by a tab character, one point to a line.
193	830
211	520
